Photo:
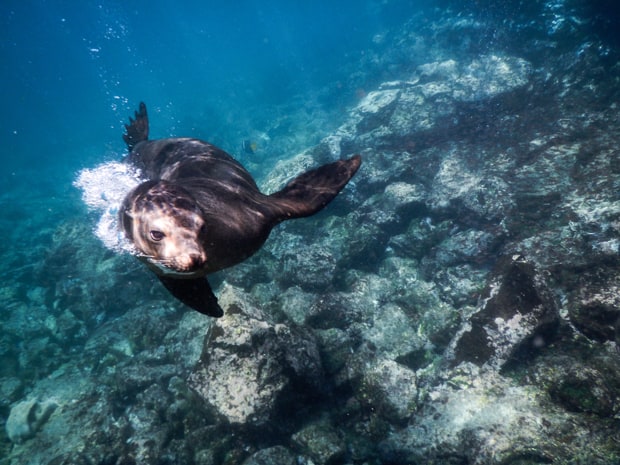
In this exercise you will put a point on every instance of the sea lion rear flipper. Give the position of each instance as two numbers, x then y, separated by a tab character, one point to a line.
311	191
195	293
138	128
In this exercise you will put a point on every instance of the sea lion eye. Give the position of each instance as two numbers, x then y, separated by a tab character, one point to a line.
156	235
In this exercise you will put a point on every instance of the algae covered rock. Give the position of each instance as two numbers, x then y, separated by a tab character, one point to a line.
390	389
489	420
588	383
519	315
418	105
251	369
595	309
27	417
321	442
277	455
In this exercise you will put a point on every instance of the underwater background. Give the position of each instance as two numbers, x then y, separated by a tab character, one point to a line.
458	303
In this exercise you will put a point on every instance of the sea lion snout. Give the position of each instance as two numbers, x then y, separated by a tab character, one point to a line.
196	260
165	225
188	262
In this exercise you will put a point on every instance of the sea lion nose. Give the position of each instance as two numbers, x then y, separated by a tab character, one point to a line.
196	260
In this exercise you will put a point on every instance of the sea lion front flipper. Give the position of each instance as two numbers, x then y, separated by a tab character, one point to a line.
138	128
195	293
311	191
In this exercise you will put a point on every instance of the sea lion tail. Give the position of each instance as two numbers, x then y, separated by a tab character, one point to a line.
311	191
138	128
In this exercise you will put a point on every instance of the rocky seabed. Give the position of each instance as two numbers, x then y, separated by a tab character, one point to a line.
458	303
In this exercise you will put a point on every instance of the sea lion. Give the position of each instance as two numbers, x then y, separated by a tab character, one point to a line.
200	211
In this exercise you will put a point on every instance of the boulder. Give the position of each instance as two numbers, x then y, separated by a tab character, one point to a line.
321	442
595	307
487	419
276	455
27	417
252	370
517	317
390	389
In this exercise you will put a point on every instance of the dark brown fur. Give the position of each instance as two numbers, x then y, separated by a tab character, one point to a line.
211	212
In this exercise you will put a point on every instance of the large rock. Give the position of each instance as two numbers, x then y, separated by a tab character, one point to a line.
469	195
588	383
595	308
27	417
401	108
518	316
252	370
487	419
321	442
277	455
76	423
388	388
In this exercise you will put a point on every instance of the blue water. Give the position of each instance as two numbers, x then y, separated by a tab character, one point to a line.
72	73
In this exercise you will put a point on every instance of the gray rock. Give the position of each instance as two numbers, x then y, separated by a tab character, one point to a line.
402	282
311	267
277	455
465	191
391	332
361	238
461	285
588	383
131	378
403	108
236	386
296	303
375	109
250	367
390	389
332	311
336	347
465	247
27	417
462	422
321	442
420	237
518	316
185	341
281	173
595	308
148	438
401	196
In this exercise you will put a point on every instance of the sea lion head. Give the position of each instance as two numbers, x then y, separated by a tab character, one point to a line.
165	224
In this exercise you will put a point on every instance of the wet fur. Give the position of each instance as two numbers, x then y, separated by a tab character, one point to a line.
211	207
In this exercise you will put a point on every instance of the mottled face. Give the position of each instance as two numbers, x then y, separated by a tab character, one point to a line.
165	225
